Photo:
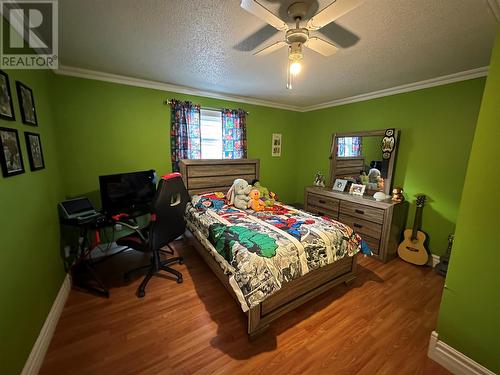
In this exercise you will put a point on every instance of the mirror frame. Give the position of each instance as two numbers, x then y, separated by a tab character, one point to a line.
370	133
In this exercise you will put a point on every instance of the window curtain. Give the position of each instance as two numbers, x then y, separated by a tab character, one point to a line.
349	146
234	134
185	134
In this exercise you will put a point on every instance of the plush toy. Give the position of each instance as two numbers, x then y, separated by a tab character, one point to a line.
373	174
380	183
265	195
397	194
256	203
363	178
238	194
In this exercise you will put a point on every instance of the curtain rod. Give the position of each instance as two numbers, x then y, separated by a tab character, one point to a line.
167	102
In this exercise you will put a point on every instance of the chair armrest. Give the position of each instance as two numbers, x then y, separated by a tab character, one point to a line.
135	228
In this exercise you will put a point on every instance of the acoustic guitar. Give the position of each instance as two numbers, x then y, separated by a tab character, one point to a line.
412	248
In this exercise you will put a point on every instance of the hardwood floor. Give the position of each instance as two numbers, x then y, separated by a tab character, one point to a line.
379	325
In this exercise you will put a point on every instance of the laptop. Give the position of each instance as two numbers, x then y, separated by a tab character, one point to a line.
80	209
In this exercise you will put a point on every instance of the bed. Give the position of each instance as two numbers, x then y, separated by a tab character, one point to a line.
305	270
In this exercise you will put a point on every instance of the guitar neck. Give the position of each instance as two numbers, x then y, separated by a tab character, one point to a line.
417	223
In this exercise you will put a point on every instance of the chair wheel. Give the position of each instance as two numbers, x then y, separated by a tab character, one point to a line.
141	293
179	280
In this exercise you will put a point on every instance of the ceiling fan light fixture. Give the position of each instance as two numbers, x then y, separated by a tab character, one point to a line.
295	68
294	57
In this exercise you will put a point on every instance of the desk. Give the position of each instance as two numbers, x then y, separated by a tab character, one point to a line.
83	263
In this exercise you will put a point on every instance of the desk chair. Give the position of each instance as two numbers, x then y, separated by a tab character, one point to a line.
167	223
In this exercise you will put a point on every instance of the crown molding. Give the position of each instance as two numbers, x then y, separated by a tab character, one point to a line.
438	81
130	81
495	8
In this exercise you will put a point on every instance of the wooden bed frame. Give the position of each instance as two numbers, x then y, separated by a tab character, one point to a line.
217	175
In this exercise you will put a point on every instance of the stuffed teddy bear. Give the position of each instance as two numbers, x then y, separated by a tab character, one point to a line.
397	194
373	175
256	203
238	194
265	195
380	183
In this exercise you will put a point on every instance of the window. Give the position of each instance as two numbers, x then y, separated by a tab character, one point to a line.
222	135
211	134
197	133
349	147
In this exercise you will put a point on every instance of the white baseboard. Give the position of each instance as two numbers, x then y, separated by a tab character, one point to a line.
434	260
37	355
452	359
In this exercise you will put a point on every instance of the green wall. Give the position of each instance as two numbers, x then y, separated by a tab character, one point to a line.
110	128
31	271
437	127
96	128
468	318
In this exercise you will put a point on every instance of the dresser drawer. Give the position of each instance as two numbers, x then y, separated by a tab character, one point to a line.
323	212
361	211
363	227
321	201
373	244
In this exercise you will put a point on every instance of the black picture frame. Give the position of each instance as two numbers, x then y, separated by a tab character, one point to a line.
26	104
11	156
35	151
6	105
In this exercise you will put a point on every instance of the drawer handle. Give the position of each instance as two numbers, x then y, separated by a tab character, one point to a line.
360	212
357	225
322	201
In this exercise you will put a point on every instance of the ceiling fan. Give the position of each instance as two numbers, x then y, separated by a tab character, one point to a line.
298	37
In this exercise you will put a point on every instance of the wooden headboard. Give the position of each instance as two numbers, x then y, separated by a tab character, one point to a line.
202	176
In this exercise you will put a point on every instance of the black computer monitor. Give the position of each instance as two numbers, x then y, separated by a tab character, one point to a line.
127	192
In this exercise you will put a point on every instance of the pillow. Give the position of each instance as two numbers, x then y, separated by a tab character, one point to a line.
214	200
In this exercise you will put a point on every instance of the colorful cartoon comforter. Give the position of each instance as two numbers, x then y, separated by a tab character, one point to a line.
261	251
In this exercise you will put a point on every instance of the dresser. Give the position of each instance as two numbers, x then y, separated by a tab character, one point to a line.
380	224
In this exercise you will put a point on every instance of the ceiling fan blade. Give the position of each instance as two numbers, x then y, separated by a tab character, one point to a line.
321	46
333	11
260	11
273	47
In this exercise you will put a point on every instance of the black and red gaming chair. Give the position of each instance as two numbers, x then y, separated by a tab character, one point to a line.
167	223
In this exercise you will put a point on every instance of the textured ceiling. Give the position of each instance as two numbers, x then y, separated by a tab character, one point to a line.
208	45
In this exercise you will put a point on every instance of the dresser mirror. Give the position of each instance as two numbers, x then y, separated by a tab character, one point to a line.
365	158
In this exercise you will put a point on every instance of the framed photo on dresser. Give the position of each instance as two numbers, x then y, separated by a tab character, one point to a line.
35	153
11	159
6	106
26	104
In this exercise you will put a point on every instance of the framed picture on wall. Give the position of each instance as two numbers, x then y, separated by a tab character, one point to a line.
6	107
276	144
35	153
26	104
11	159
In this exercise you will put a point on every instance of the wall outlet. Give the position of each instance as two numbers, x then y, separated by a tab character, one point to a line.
67	250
